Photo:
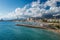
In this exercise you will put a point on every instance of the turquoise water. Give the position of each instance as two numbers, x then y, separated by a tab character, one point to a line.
9	31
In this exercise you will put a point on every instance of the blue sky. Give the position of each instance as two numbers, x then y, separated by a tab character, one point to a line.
10	5
37	7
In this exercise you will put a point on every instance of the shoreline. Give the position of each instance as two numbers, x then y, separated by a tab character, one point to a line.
41	27
54	30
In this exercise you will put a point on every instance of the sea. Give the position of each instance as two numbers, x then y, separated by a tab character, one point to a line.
9	31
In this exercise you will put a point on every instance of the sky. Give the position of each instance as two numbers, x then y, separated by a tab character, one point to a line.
11	9
7	6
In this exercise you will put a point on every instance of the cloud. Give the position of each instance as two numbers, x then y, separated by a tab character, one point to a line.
35	9
38	9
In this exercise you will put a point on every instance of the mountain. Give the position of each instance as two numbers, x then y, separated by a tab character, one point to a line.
47	16
50	16
58	16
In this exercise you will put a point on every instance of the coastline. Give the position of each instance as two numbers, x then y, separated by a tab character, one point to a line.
41	27
54	30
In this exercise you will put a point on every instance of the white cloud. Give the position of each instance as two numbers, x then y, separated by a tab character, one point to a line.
35	10
39	9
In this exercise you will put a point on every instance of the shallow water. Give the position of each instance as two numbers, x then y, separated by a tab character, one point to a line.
9	31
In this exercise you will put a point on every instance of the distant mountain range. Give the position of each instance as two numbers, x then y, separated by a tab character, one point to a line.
58	16
50	16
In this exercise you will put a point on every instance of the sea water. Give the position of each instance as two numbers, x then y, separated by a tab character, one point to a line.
9	31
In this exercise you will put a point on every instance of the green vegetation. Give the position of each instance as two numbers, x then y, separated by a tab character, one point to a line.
53	23
44	20
57	26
